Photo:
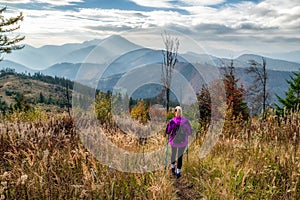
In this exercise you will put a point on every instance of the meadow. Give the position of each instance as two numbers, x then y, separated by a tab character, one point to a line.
42	157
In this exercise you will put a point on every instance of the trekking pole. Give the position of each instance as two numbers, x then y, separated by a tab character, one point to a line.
167	152
187	157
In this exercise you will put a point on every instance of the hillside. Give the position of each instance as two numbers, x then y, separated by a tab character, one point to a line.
42	91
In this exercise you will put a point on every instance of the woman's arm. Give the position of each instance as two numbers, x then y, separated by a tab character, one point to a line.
170	127
188	127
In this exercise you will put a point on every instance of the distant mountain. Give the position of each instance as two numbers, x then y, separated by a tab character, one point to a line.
107	50
70	71
293	56
76	56
118	45
66	70
104	52
272	64
104	62
95	51
276	82
16	66
242	61
143	63
43	57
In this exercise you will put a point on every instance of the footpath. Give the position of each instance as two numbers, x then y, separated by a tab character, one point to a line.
185	189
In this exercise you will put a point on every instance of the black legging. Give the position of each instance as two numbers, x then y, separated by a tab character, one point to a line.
179	152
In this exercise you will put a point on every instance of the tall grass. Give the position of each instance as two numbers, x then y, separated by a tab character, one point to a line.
259	159
44	158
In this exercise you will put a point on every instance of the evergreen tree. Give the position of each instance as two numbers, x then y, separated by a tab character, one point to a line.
41	98
292	99
3	107
204	103
8	42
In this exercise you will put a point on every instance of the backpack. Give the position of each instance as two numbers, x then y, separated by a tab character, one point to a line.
179	135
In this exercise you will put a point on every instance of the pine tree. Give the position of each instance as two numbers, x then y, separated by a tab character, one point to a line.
204	103
41	98
292	99
8	42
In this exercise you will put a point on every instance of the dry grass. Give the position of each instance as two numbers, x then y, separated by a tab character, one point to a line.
45	159
259	159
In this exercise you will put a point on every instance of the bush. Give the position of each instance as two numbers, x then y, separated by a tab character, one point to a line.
140	112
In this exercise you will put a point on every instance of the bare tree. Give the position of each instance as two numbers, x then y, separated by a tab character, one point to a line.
258	90
169	61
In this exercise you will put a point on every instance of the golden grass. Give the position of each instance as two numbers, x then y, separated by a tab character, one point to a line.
45	159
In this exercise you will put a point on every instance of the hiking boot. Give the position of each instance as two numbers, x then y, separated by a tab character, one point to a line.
178	175
173	171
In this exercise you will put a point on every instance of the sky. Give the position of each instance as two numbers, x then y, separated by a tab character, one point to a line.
269	26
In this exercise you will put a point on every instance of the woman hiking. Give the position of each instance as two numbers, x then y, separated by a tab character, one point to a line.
179	129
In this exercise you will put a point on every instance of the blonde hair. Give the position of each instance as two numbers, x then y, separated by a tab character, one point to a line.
178	110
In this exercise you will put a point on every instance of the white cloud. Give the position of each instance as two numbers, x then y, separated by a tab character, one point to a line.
51	2
176	4
202	2
154	3
3	2
245	24
59	2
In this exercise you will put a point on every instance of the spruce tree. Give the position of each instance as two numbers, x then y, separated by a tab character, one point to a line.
204	103
291	102
8	41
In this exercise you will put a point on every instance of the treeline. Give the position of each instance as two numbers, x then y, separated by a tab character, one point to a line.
22	103
40	77
240	102
243	102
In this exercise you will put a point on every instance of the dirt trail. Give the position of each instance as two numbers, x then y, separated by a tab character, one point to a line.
185	189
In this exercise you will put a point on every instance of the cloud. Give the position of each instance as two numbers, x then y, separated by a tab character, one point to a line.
154	3
59	2
176	4
3	2
202	2
245	23
51	2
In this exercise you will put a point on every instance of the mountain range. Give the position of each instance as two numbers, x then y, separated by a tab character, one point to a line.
116	55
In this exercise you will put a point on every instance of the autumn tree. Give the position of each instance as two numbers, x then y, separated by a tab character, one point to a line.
169	61
103	107
235	94
258	90
8	41
292	100
140	112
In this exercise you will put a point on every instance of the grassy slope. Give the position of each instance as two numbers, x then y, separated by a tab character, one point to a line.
31	90
45	159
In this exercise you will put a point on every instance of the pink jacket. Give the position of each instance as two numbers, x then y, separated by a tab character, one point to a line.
184	123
